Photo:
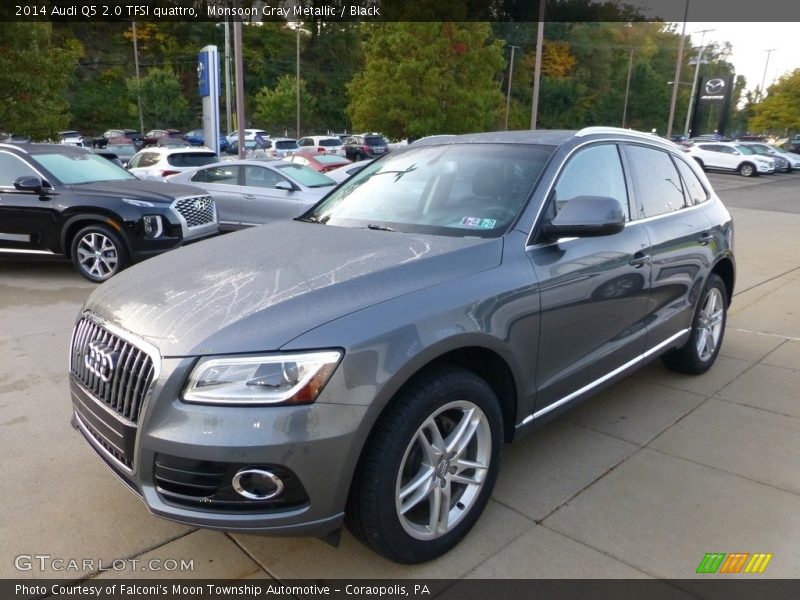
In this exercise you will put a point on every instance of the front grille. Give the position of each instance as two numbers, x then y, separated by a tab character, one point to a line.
197	210
113	370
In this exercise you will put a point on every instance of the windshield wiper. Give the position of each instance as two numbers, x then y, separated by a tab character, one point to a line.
379	227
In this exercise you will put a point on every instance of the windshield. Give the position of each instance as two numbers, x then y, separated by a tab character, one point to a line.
459	190
305	175
82	168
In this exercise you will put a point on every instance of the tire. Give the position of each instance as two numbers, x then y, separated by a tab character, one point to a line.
98	253
404	472
708	329
747	170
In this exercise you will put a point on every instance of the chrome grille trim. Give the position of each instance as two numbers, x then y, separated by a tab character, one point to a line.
193	216
103	446
137	367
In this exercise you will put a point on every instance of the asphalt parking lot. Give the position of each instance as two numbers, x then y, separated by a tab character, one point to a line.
639	482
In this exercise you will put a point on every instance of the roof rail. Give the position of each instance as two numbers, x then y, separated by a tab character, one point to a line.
19	147
602	129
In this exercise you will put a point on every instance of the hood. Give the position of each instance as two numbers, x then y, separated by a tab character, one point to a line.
138	189
257	289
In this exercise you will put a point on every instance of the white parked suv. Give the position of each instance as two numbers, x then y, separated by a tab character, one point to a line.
158	162
728	156
328	144
249	135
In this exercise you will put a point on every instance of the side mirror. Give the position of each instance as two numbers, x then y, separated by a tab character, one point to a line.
285	186
587	216
28	183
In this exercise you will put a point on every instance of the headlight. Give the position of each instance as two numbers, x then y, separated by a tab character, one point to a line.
268	379
153	226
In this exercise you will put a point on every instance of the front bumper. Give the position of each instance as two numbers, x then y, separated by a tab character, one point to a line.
314	447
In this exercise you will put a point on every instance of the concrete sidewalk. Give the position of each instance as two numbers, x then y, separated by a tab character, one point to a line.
640	481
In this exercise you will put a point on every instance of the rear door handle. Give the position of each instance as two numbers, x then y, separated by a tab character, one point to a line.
705	238
639	260
249	197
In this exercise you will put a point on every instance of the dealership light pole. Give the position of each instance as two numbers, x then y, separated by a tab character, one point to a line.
228	108
510	75
627	89
237	57
139	81
677	73
297	79
763	79
694	82
537	70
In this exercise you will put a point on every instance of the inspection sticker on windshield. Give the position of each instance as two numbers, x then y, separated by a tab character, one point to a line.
478	223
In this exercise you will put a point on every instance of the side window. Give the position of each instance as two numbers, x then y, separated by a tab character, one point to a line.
261	177
148	159
658	185
727	150
12	167
225	175
595	171
134	162
695	192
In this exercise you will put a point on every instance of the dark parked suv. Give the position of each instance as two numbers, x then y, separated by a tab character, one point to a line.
71	201
365	363
367	145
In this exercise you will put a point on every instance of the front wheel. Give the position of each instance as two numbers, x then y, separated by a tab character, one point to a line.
429	468
747	170
708	329
98	253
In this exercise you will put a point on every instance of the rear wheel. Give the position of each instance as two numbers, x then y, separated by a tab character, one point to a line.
98	253
429	468
708	329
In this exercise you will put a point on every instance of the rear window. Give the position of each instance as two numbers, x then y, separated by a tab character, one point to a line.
330	142
286	145
373	140
191	159
329	159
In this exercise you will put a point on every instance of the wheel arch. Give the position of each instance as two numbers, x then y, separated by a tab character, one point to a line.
727	272
77	222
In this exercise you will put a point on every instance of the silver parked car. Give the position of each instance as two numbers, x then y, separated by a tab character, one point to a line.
256	191
365	364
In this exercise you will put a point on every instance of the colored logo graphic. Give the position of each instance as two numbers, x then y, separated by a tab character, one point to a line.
735	562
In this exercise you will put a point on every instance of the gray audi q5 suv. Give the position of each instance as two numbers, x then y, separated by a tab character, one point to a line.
365	363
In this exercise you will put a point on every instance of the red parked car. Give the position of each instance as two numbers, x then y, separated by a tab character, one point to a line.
318	162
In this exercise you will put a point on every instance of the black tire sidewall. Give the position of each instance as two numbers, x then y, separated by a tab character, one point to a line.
459	385
122	255
714	281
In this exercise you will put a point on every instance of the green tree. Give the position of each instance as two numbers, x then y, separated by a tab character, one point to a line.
34	75
427	78
779	112
276	108
163	103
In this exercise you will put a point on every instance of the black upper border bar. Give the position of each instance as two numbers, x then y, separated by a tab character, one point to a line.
520	11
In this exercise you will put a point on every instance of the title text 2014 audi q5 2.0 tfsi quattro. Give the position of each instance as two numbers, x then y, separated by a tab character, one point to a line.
365	363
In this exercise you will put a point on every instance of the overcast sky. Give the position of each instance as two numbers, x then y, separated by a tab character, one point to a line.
750	40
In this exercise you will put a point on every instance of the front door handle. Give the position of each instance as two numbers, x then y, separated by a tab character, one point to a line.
705	238
249	197
639	260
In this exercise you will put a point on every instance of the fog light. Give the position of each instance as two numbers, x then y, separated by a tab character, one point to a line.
153	227
257	484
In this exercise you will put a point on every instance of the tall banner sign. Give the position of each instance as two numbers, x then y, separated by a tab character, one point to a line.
712	105
209	87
